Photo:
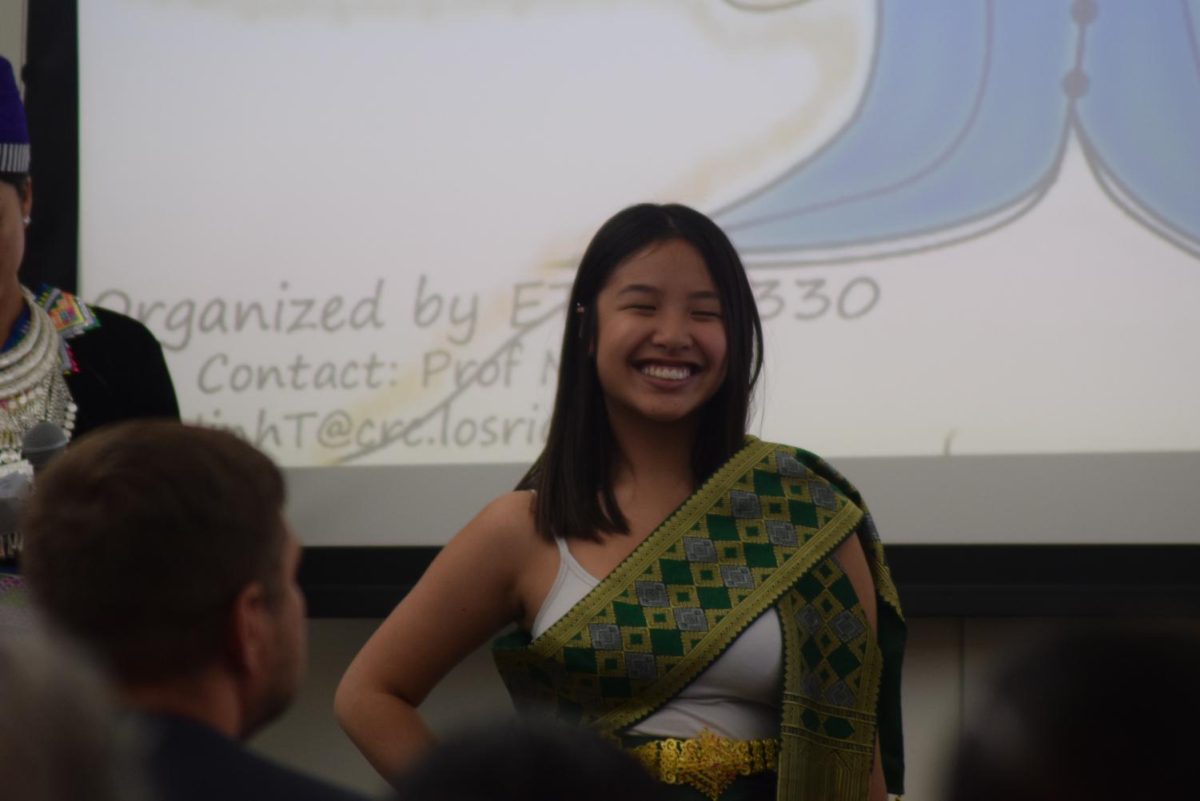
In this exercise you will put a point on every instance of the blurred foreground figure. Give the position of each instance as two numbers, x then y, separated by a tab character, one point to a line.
60	733
164	550
1096	714
527	762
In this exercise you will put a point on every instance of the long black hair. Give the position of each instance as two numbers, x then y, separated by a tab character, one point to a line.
573	476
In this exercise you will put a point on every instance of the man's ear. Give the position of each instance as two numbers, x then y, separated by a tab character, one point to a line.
249	630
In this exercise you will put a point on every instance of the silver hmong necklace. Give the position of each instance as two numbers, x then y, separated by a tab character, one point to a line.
32	385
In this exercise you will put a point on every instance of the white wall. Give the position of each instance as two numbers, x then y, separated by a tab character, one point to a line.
12	32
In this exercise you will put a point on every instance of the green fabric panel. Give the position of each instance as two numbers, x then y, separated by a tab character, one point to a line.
838	727
714	597
666	642
676	571
811	652
767	484
758	555
843	661
721	527
809	586
843	590
802	514
629	614
579	660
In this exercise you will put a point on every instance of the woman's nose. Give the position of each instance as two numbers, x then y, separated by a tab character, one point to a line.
673	330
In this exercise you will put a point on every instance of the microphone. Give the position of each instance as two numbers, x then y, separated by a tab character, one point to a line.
15	483
42	443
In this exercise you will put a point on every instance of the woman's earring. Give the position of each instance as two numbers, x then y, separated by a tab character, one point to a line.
579	313
27	221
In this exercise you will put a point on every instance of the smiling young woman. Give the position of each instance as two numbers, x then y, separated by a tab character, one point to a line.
676	585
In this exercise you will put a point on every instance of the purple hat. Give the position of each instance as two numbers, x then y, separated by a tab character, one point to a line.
14	136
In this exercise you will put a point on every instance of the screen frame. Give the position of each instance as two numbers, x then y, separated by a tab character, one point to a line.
935	580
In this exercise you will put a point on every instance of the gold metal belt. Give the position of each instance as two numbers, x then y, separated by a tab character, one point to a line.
707	762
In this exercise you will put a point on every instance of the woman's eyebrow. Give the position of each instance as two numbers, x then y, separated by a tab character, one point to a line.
636	288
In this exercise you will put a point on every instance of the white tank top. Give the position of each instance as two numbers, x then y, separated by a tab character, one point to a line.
736	696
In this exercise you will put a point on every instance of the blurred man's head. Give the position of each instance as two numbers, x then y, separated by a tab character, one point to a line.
61	735
530	760
164	549
1087	713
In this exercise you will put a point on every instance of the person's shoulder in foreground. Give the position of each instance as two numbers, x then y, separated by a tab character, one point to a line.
189	761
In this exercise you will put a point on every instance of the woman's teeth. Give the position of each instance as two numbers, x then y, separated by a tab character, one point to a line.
668	373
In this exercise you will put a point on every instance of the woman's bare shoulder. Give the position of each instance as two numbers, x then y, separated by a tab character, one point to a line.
512	511
506	522
518	503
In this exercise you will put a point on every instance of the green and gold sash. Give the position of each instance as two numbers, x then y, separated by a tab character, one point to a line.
758	534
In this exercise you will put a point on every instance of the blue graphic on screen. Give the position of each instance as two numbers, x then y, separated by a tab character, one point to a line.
967	113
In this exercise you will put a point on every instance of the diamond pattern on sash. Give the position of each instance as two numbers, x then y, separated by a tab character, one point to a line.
696	580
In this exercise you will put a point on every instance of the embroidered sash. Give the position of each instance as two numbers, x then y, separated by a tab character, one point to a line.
757	534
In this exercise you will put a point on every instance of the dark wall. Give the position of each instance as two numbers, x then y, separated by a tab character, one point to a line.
51	103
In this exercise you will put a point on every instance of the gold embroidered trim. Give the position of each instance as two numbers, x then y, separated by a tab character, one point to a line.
709	762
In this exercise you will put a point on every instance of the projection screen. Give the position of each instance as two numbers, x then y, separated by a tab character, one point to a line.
973	229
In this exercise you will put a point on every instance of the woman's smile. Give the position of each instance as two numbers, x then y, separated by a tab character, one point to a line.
668	372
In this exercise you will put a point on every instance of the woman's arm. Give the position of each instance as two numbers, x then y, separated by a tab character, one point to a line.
467	595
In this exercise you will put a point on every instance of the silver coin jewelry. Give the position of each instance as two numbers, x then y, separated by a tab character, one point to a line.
32	383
